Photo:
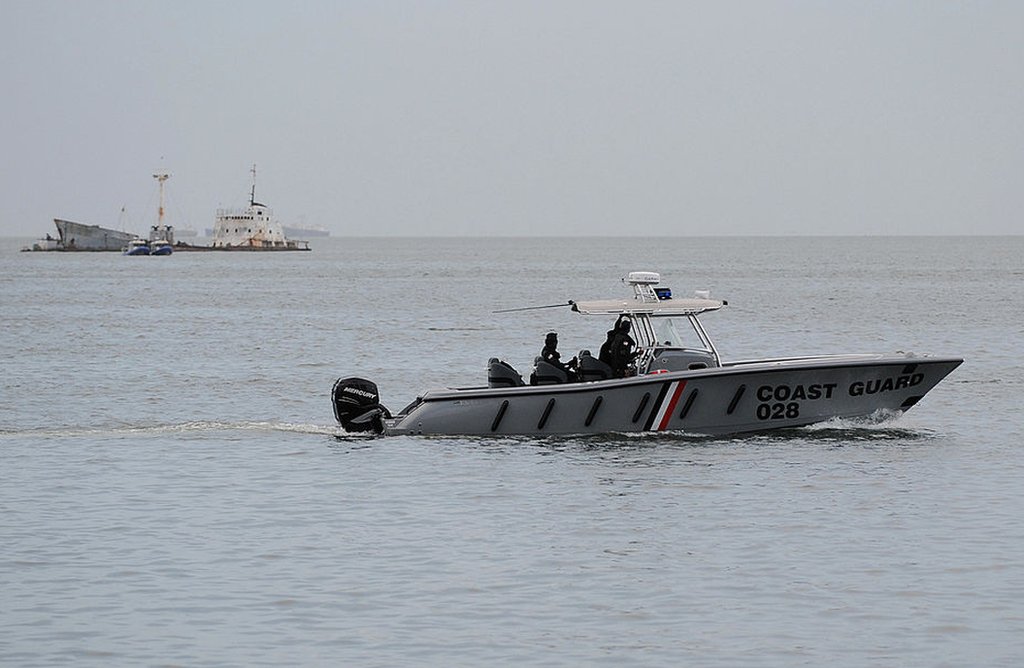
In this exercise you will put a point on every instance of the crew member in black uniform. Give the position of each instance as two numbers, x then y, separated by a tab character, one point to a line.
617	351
549	353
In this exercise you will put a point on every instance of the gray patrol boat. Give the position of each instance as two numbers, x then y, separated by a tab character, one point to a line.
666	386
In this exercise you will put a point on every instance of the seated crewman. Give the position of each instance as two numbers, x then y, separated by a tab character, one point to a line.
549	353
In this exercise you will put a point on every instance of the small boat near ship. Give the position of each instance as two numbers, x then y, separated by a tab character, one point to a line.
161	235
47	243
160	247
137	246
666	386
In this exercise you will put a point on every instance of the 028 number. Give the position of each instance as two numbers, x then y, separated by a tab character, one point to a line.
778	411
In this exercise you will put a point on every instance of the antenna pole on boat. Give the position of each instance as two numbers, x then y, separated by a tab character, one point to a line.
252	193
533	308
161	177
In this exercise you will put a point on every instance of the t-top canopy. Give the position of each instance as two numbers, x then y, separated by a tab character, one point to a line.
663	308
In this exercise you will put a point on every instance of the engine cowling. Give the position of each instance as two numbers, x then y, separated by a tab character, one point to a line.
357	405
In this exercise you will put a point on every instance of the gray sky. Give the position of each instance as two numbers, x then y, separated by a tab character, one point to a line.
550	117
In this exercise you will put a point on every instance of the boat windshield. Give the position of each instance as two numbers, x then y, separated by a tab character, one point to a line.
669	333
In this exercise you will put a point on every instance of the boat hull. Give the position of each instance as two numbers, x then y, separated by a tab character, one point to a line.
734	398
80	237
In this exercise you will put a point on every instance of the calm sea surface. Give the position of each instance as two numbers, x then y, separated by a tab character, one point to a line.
174	491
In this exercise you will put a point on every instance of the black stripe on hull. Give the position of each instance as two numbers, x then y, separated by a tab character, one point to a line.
736	399
544	416
593	411
501	414
641	407
657	406
688	404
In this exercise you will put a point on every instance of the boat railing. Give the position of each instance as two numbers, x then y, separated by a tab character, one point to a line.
243	212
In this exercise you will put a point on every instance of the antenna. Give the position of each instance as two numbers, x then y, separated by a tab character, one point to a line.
534	308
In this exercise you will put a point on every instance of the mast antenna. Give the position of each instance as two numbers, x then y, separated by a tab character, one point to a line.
252	194
161	177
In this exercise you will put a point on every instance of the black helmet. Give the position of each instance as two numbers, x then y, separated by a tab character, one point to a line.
552	336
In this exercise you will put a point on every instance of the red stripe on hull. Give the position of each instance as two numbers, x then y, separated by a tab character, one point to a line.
672	406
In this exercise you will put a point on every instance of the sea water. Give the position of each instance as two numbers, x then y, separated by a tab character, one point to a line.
174	490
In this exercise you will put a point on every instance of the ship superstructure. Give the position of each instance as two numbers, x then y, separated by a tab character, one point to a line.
251	228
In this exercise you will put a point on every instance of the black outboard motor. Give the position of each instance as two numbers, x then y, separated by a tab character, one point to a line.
357	405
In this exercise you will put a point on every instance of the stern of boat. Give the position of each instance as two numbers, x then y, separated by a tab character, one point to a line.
357	405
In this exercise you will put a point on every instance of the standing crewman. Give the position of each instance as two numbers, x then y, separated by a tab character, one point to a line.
618	351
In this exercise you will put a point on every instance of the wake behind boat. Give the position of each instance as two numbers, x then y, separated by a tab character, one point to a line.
654	383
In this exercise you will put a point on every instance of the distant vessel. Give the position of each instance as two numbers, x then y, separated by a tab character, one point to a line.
185	232
137	246
81	237
47	243
304	232
160	247
251	228
74	236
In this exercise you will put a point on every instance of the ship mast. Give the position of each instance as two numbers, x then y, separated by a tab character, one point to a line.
252	194
161	177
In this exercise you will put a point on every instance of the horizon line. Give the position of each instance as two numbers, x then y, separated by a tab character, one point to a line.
635	236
